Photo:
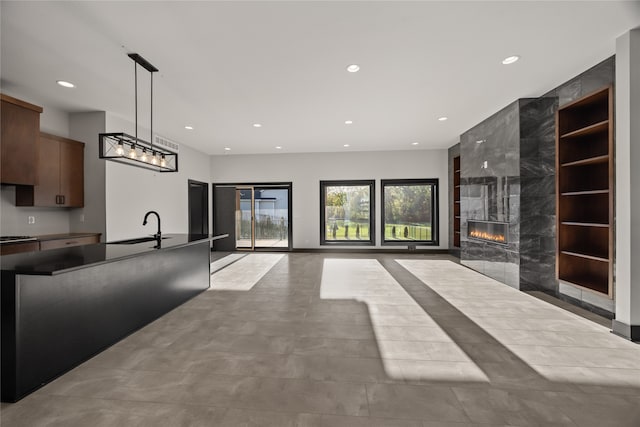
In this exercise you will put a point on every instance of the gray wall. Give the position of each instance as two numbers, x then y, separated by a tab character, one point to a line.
85	127
305	171
627	268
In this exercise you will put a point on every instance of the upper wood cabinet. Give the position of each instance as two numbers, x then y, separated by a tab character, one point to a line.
20	125
60	172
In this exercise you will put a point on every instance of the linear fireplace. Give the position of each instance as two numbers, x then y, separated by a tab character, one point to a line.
488	231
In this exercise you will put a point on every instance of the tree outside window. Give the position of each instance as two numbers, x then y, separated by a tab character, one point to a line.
409	211
347	212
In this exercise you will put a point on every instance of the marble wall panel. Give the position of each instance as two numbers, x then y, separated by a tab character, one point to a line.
491	190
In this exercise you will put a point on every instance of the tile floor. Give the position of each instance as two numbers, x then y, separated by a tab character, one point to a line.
351	340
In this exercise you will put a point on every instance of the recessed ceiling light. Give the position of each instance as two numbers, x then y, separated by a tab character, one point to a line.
348	122
353	68
65	84
442	119
188	127
227	149
415	143
257	125
346	145
278	147
510	59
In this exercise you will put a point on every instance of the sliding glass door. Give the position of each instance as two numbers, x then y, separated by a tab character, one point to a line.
271	217
257	216
244	218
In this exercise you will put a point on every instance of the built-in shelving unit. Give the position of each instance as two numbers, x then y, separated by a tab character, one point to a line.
584	192
456	202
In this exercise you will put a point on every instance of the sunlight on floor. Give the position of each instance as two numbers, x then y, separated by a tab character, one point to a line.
243	274
557	344
221	263
412	346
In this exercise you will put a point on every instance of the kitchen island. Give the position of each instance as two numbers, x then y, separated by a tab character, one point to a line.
60	307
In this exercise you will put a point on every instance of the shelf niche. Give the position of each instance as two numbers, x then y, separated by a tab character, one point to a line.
456	201
584	192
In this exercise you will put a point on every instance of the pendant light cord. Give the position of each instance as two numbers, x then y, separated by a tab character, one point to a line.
135	73
151	111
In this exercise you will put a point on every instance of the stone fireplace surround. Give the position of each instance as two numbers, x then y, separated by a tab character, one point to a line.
508	175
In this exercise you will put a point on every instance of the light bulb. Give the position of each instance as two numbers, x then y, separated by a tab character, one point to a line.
154	158
144	155
132	152
163	162
120	149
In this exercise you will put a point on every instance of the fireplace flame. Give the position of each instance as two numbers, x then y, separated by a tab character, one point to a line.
488	236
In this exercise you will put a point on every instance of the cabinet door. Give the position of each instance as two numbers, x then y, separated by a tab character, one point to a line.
69	242
48	188
72	173
19	143
16	248
60	172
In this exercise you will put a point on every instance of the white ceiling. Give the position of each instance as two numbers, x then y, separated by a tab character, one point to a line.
226	65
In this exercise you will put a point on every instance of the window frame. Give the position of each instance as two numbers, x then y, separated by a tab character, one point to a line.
435	214
371	183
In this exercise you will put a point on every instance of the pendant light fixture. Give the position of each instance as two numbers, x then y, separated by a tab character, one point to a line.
123	148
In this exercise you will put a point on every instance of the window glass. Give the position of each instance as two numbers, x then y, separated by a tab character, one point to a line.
409	211
347	212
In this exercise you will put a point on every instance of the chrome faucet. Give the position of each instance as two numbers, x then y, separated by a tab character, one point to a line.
158	235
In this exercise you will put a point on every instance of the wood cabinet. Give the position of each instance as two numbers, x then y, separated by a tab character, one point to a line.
47	243
20	132
60	175
456	201
584	192
50	241
18	247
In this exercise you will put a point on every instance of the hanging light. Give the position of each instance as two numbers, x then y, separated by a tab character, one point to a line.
112	144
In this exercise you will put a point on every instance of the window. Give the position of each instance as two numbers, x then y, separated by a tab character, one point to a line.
347	212
409	211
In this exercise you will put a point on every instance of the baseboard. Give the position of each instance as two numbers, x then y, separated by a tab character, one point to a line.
630	332
587	306
373	251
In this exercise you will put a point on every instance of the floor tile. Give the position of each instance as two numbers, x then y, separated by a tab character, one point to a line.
301	395
63	411
435	403
319	340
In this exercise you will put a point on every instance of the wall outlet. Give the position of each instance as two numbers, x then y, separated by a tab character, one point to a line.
31	219
82	218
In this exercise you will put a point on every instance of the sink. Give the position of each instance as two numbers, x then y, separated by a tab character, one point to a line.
134	241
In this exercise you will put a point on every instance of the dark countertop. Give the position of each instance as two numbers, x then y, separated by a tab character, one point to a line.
62	260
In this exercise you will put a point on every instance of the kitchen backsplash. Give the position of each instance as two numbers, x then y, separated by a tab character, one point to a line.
14	221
